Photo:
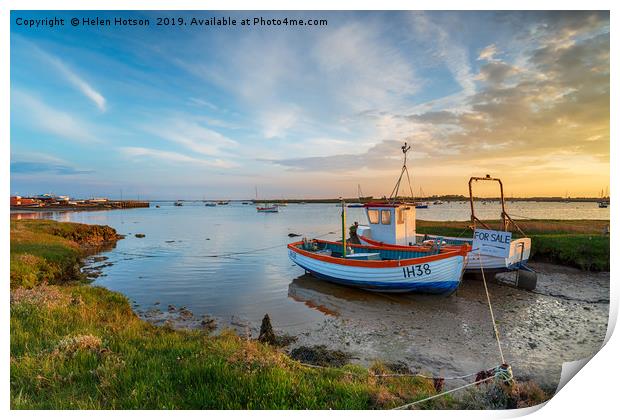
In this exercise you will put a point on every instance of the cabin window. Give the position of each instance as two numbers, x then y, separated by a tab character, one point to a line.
400	216
373	216
386	217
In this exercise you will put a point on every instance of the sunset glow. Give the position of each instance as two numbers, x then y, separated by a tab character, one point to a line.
313	111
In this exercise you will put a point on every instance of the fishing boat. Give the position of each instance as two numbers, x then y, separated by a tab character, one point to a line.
222	203
424	269
416	269
210	204
178	203
392	224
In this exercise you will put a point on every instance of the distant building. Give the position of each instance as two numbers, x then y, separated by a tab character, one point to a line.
18	201
97	200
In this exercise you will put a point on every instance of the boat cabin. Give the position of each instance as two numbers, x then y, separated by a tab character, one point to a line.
390	223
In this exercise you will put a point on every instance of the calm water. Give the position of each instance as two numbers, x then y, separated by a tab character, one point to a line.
231	262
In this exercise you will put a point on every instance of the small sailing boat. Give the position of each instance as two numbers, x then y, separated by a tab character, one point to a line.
603	203
359	198
382	269
421	204
265	208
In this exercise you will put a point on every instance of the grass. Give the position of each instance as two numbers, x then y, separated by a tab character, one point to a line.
43	250
575	243
78	346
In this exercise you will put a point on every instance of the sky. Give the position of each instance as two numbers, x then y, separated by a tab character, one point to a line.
194	112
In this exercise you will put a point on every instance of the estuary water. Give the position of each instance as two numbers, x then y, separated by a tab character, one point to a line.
230	263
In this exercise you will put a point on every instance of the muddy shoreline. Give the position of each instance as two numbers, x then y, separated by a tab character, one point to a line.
563	319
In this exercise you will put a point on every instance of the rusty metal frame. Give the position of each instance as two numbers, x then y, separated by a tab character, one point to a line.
506	219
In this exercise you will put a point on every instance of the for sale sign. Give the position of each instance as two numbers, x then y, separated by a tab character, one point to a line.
495	243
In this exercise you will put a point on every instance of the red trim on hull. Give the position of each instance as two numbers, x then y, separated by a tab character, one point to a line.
405	247
462	251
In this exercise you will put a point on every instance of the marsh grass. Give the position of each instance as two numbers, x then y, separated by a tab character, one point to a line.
576	243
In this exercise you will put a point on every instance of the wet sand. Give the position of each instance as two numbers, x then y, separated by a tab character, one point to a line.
564	319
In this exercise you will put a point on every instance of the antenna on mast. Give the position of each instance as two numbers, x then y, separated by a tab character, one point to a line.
394	195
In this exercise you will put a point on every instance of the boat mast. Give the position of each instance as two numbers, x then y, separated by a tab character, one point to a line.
344	224
404	170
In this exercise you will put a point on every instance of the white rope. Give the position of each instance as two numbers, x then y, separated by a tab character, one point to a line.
419	375
484	281
403	407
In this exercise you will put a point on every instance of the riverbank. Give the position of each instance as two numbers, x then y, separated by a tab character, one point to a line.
583	244
78	346
105	205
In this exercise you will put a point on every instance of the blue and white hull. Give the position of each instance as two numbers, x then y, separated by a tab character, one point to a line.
415	272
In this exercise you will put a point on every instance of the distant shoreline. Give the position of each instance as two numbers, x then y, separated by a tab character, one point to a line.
417	199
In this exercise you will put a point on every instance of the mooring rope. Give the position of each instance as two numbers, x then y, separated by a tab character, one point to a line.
432	397
222	255
502	372
486	290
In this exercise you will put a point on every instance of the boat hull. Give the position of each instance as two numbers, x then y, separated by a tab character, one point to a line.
437	274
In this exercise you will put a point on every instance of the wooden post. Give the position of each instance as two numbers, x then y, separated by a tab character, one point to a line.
344	228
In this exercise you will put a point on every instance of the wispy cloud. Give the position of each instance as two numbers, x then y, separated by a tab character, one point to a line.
488	52
86	89
21	167
172	157
70	75
191	135
446	47
381	156
50	120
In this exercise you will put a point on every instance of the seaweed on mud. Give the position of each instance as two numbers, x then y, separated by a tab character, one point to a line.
320	355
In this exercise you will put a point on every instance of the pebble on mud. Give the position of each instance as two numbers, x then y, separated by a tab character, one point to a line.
398	367
208	323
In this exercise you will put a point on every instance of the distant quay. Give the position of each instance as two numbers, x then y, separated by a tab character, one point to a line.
63	203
